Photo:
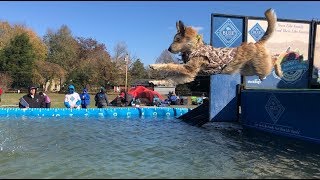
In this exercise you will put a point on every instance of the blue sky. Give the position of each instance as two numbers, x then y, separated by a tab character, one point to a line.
147	27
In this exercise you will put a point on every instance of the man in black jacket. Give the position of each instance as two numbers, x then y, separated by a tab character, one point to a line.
101	98
32	99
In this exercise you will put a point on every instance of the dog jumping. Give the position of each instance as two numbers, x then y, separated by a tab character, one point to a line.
248	59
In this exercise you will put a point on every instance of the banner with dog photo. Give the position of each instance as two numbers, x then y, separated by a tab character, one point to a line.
316	62
290	46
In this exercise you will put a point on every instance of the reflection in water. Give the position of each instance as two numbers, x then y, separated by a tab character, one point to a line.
147	148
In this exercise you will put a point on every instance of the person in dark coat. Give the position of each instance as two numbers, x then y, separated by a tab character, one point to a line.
32	99
101	98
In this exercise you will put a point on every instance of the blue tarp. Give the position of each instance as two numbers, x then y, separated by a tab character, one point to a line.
119	112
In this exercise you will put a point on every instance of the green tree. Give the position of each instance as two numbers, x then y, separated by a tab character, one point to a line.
138	71
79	78
63	48
8	32
95	63
18	59
48	72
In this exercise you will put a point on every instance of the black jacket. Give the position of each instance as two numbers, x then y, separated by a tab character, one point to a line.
36	102
101	99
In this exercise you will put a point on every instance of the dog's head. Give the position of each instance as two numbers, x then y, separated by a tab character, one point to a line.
185	40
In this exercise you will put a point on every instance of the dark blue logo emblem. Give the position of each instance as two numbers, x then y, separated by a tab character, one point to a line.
228	33
274	108
256	32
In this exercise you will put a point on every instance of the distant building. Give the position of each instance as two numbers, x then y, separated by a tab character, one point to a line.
53	85
161	86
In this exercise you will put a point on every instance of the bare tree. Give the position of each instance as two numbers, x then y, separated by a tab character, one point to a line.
120	51
166	57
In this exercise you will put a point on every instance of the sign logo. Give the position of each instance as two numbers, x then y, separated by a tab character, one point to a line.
256	32
228	33
274	108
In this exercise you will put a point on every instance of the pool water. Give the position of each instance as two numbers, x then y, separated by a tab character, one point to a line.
44	147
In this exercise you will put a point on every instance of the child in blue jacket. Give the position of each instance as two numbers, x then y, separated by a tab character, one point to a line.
85	98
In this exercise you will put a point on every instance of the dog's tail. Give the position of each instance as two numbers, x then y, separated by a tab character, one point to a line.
272	20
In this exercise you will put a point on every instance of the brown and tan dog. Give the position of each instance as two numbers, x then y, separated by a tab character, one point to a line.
248	59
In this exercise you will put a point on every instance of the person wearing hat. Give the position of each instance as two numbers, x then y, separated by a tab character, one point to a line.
85	98
101	98
72	98
32	99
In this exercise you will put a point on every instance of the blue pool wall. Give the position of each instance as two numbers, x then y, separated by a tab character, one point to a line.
110	112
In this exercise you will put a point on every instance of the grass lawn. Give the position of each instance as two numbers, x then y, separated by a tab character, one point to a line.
57	100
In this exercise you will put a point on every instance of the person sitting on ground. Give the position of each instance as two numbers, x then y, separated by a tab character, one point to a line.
46	99
128	98
173	99
156	100
121	98
101	98
124	99
32	99
85	98
72	98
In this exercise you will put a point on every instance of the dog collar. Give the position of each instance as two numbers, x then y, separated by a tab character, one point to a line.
198	37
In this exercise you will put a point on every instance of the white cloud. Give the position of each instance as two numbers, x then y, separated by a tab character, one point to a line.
198	28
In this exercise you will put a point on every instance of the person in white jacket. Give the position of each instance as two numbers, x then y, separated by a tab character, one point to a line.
72	99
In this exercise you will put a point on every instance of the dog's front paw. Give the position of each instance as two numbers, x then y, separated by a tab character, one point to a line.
158	66
152	66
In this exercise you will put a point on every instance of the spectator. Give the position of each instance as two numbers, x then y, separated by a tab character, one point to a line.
101	98
46	99
124	99
173	99
85	98
72	98
32	99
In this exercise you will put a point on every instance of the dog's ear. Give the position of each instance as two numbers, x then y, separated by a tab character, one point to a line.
180	27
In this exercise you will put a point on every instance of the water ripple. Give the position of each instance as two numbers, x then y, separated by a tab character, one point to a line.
145	148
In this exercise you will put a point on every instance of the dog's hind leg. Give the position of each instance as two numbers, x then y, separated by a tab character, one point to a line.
263	65
233	67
